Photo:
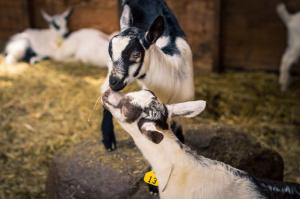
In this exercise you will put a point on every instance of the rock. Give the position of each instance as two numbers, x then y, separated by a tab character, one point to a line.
237	149
87	171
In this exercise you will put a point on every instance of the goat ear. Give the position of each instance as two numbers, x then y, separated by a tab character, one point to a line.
66	14
156	30
186	109
47	17
149	130
126	18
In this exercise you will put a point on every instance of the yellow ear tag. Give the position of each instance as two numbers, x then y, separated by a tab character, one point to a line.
150	178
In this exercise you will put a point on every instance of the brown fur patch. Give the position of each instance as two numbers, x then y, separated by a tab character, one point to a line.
131	112
154	136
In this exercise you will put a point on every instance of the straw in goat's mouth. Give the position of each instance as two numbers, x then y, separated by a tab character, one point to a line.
94	108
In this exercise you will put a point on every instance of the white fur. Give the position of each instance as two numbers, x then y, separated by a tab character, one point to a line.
292	52
141	98
169	77
181	173
43	42
86	45
190	179
126	17
117	49
185	107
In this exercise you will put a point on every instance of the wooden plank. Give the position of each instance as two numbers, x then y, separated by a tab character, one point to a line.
31	13
216	43
13	18
253	36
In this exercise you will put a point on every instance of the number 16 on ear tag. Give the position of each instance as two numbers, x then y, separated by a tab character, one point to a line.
150	178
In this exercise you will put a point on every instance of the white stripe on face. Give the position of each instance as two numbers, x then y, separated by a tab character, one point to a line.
118	46
142	98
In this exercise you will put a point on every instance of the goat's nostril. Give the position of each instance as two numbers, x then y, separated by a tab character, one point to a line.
116	84
113	81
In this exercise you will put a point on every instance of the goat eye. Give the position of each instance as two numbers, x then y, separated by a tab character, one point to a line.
135	56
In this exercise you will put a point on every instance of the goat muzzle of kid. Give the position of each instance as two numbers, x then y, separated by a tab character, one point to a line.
111	98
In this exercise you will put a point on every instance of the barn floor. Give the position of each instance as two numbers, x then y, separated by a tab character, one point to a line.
50	106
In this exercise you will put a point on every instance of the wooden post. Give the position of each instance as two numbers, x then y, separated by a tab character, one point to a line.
217	47
31	13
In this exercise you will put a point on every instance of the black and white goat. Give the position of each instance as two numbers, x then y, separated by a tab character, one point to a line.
151	48
182	173
88	46
34	45
292	52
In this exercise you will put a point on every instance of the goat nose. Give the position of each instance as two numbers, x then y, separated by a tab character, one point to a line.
113	80
116	84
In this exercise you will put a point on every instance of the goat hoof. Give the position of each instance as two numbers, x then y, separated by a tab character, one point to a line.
153	190
111	148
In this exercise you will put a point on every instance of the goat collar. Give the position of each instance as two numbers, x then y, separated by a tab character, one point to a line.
168	179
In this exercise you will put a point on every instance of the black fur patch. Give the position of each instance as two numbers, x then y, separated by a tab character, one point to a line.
122	65
54	24
154	136
107	128
157	113
277	190
142	76
29	53
156	30
146	11
130	111
66	35
177	130
171	48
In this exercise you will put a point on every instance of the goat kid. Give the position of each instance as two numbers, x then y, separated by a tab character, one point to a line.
292	52
88	46
180	171
151	48
34	45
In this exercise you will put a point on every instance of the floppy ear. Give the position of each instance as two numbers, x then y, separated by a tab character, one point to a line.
126	18
149	130
156	30
186	109
66	14
47	17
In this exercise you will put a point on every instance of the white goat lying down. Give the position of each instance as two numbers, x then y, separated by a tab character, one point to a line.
180	172
292	52
34	45
88	46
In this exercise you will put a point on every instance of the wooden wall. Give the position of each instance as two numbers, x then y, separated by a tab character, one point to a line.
196	17
252	35
13	18
99	14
